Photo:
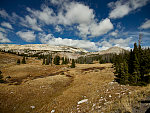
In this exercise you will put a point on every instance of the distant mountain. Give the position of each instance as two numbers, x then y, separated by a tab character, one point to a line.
42	47
115	50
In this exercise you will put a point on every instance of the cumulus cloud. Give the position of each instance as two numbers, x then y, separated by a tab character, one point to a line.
73	14
85	44
28	36
31	22
68	14
123	43
145	25
4	14
7	25
26	21
114	33
2	30
58	2
121	8
58	29
45	15
102	28
3	38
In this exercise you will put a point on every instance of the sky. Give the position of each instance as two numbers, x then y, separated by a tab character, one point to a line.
93	25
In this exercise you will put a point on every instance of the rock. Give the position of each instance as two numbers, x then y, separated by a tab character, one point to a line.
53	111
32	107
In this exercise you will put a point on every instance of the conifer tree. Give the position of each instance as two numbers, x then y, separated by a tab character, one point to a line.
1	77
43	61
136	68
18	61
101	61
24	60
126	76
47	60
73	64
57	60
130	62
63	61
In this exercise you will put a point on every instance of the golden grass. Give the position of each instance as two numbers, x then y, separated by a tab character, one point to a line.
62	92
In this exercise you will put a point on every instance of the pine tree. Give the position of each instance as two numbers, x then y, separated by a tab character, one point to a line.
130	62
18	61
136	68
50	59
73	64
43	61
47	60
126	76
1	77
101	61
24	60
57	60
63	61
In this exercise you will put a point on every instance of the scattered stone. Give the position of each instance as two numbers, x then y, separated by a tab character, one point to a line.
32	107
53	111
82	101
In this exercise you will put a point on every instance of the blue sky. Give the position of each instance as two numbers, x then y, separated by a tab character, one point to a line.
90	24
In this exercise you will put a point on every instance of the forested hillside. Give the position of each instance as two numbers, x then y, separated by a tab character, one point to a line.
134	67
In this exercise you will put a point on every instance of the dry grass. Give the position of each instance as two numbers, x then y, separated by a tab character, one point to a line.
62	91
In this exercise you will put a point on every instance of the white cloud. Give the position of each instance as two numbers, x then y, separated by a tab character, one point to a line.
121	8
85	44
102	28
3	38
70	14
78	13
123	43
58	29
31	23
46	16
4	14
145	25
114	33
58	2
2	30
27	21
7	25
73	14
28	36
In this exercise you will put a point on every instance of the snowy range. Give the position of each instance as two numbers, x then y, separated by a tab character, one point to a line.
93	25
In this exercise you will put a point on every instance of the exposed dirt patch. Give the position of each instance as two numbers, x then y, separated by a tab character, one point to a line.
93	68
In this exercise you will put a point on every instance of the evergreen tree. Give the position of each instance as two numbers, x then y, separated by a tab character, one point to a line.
47	60
101	61
1	77
63	61
51	58
18	61
57	60
43	61
73	64
24	60
133	68
136	68
130	62
126	74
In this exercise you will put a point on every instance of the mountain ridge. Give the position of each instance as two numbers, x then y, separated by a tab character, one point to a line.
52	48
